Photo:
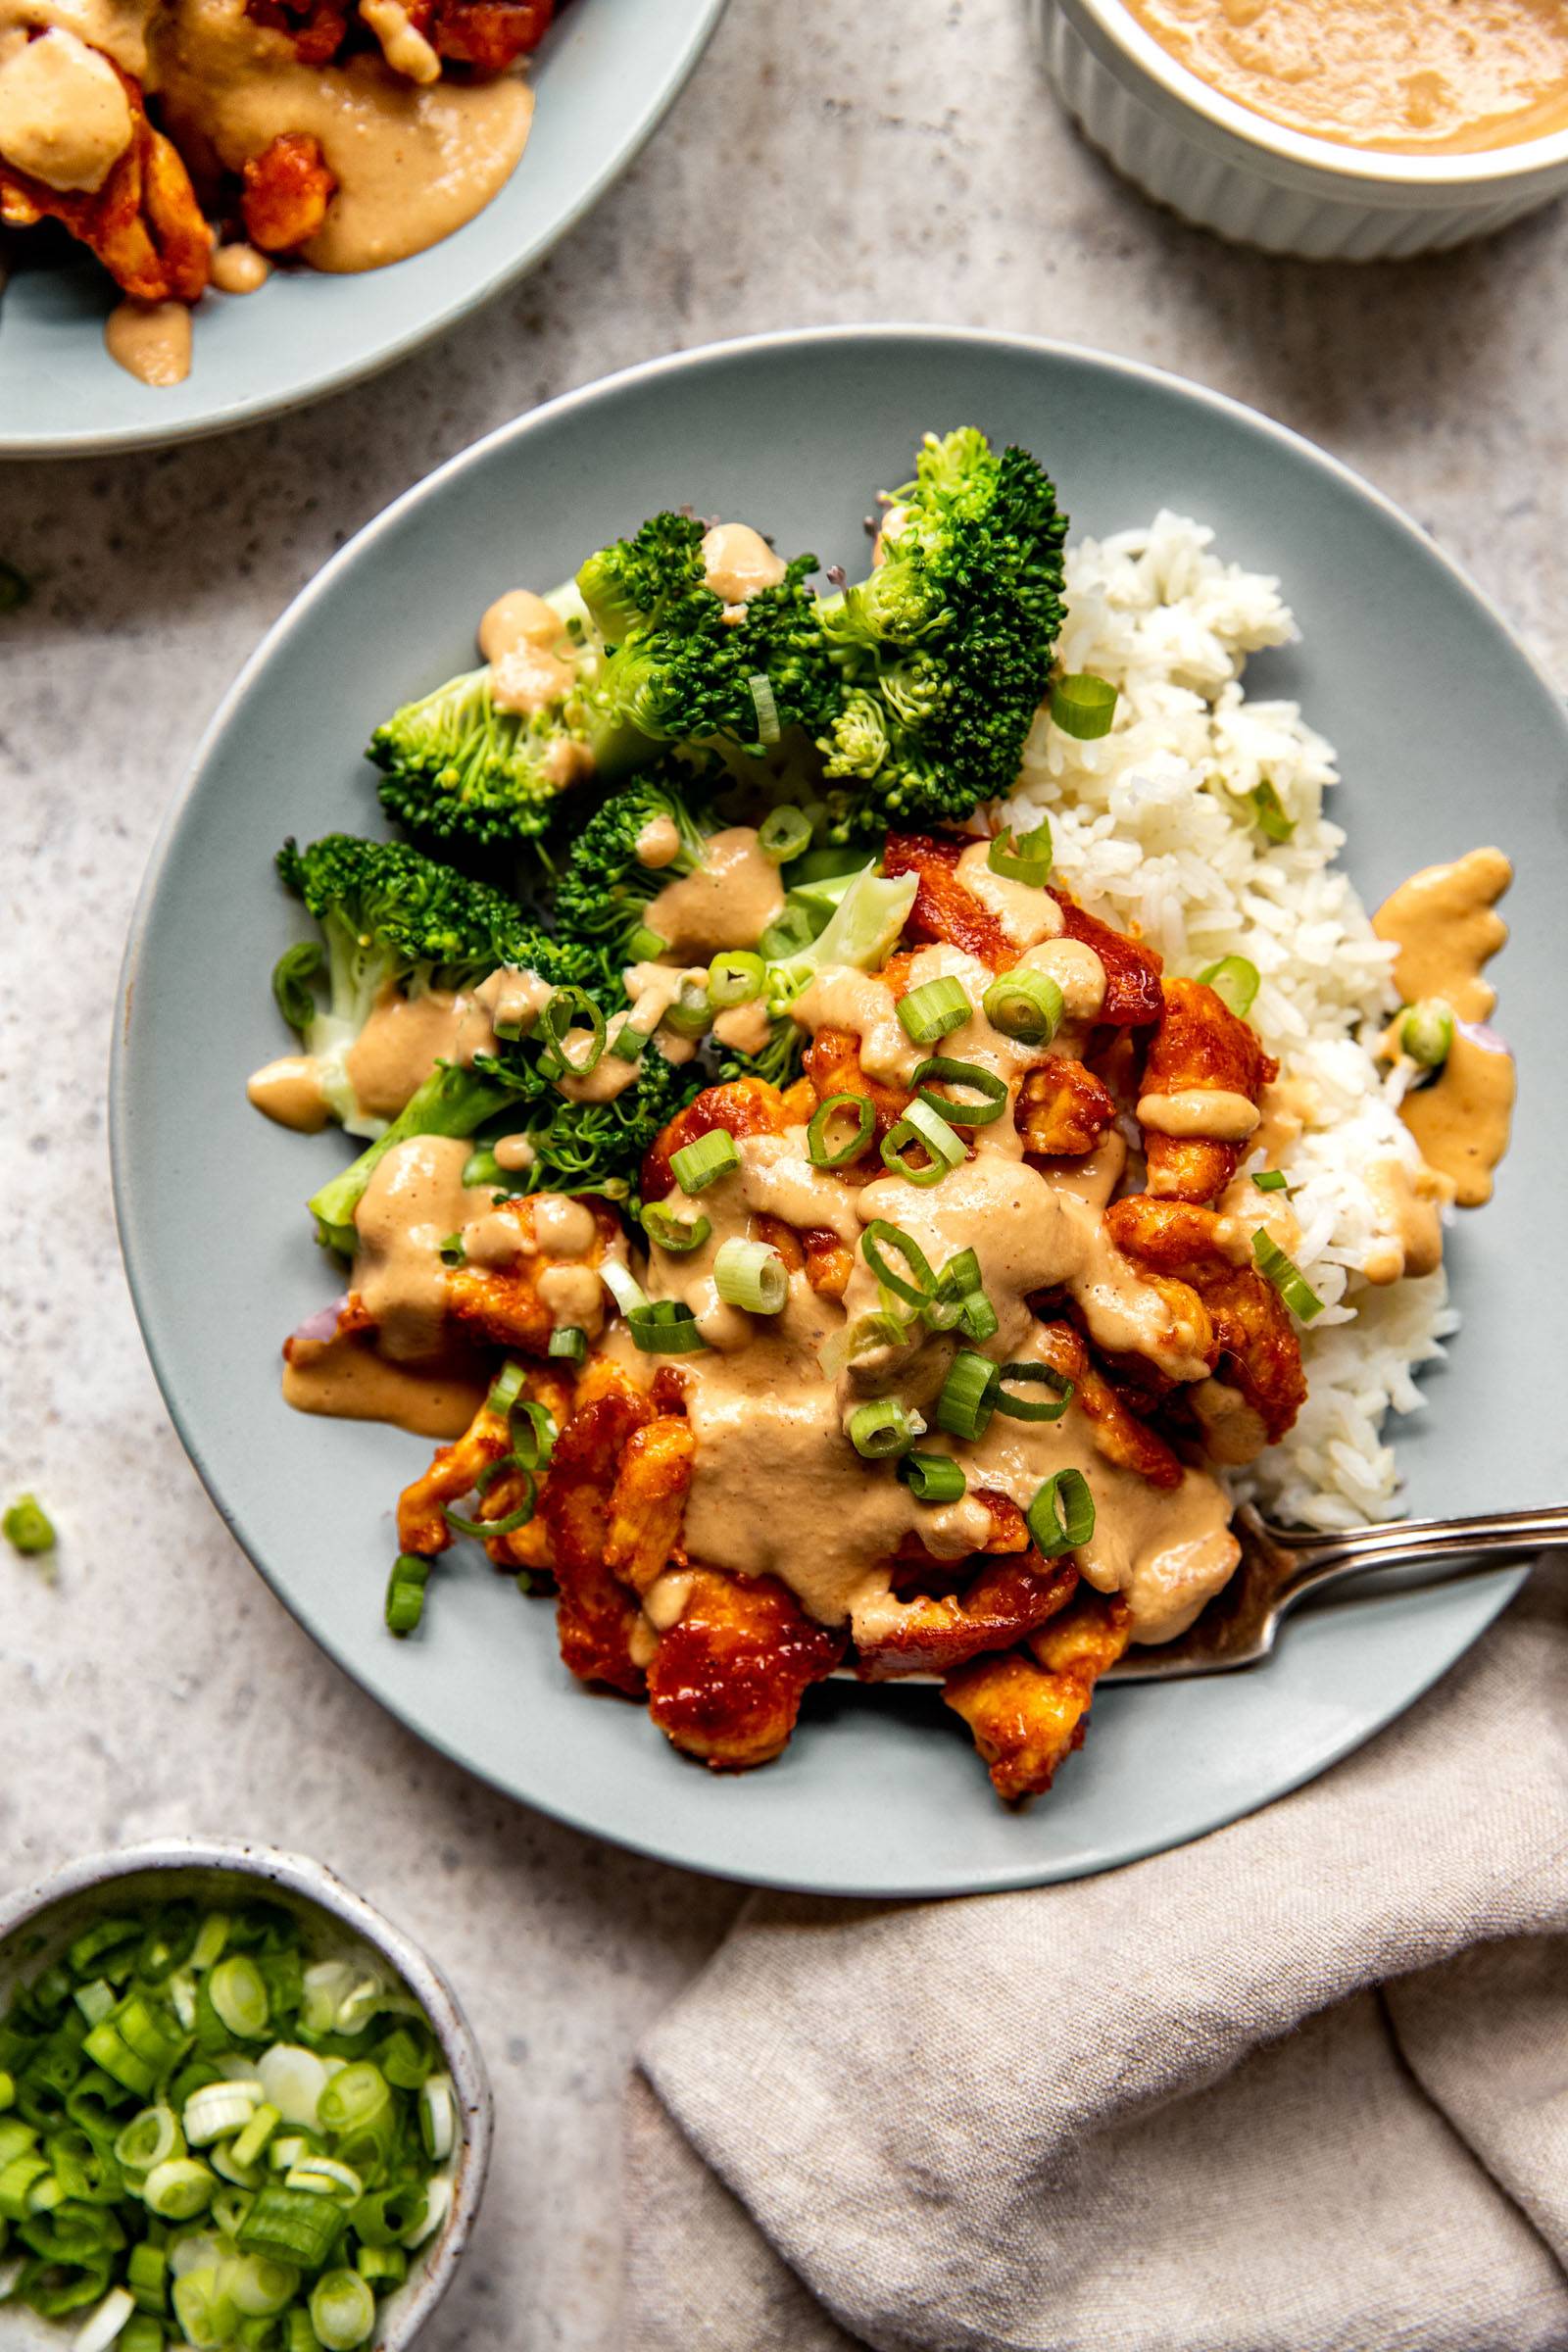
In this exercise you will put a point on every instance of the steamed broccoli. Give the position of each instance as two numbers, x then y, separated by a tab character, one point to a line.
945	651
599	1147
466	772
604	889
682	666
863	930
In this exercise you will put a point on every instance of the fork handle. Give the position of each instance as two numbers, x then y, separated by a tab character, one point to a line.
1498	1536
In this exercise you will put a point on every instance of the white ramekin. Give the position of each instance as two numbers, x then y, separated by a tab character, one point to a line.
1229	169
39	1920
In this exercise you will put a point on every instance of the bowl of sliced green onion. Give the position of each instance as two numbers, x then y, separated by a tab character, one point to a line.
238	2110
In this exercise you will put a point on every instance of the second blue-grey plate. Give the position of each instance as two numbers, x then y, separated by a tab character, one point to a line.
1448	737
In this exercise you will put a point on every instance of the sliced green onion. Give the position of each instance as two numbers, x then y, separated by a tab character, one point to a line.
179	2189
860	1338
292	975
1235	981
967	1400
766	707
1083	706
106	2322
381	2266
735	976
238	1990
1061	1516
918	1287
938	1069
487	1530
317	2176
439	2118
819	1143
294	2225
1426	1033
484	1168
628	1042
533	1433
505	1389
143	2334
751	1275
934	1009
1286	1276
452	1252
251	2144
94	2000
570	1340
405	1593
146	2271
1268	813
27	1528
149	2138
691	1015
1271	1180
961	1288
622	1286
666	1328
261	2287
1020	1408
784	833
932	1477
218	2109
560	1020
645	946
342	2310
1026	1005
672	1232
695	1166
882	1427
921	1125
356	2098
1022	857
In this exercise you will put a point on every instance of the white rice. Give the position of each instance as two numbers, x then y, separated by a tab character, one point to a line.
1152	826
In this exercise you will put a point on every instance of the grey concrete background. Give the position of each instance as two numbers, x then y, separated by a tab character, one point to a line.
832	160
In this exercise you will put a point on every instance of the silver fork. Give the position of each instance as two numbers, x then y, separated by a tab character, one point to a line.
1280	1566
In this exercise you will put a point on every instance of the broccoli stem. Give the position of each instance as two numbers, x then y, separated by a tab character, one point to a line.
452	1102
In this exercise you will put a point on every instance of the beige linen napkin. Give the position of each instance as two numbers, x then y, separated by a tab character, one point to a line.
1301	2086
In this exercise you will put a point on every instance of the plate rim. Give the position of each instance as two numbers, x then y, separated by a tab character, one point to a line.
238	413
1495	1589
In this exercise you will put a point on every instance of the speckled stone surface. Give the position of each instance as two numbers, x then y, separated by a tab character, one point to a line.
831	160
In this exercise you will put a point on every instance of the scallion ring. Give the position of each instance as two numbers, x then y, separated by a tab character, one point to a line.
1235	981
818	1134
966	1402
1426	1033
918	1287
784	833
751	1275
405	1593
697	1165
690	1014
881	1428
560	1018
765	705
1271	1180
932	1477
292	975
628	1043
666	1328
735	976
505	1389
1022	857
1287	1277
487	1530
938	1069
672	1232
645	946
1026	1005
1061	1516
569	1341
1083	706
934	1009
1020	1408
922	1125
533	1436
1268	813
622	1285
961	1288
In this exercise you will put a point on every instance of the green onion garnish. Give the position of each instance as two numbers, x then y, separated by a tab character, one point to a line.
1426	1033
570	1340
238	1990
1286	1276
533	1433
932	1477
560	1018
787	935
27	1527
784	833
695	1166
921	1125
691	1015
766	707
666	1328
628	1043
820	1149
751	1275
405	1593
1271	1180
918	1287
292	975
176	2191
645	946
1026	1005
622	1285
1083	706
342	2310
1020	1408
1022	857
934	1009
1061	1516
452	1252
960	1292
1235	981
505	1389
485	1531
1268	813
992	1090
966	1402
735	977
672	1232
881	1428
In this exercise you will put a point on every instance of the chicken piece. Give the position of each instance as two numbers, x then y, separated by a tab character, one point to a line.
490	34
832	1064
144	224
944	909
287	189
1062	1110
828	1262
528	1547
1132	971
596	1614
453	1473
743	1107
501	1303
316	29
648	1502
931	1633
1008	1530
1117	1432
1200	1047
1028	1710
1253	1327
727	1679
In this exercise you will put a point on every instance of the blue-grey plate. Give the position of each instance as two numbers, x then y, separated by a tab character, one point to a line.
604	76
1448	737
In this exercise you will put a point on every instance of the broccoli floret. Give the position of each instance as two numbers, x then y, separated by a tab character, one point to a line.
464	771
604	889
678	671
863	930
779	1060
945	651
599	1147
452	1100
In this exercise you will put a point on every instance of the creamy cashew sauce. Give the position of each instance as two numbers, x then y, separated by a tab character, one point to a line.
1445	924
65	118
1414	76
372	1078
728	902
526	643
150	340
241	270
737	563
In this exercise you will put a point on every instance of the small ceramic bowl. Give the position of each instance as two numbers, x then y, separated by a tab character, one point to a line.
1230	169
38	1923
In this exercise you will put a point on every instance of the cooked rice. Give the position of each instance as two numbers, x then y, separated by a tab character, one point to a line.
1153	827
